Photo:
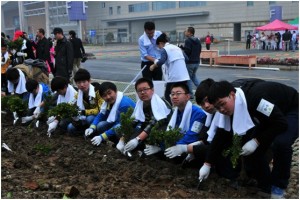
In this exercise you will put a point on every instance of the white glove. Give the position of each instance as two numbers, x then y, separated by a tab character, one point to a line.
96	140
82	117
15	115
120	146
249	147
132	144
151	149
22	54
88	131
190	157
37	112
152	67
27	119
174	151
204	172
51	119
52	127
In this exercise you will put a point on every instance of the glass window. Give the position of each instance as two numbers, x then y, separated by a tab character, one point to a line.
250	3
119	10
272	2
161	5
139	7
103	5
110	10
191	3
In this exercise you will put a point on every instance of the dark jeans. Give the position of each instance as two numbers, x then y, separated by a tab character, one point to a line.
282	151
156	74
248	44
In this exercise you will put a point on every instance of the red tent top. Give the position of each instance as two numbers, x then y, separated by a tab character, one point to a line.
276	25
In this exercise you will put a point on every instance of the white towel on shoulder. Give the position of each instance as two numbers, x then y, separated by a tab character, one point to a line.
147	41
241	122
112	115
69	97
186	118
34	102
158	106
21	87
80	96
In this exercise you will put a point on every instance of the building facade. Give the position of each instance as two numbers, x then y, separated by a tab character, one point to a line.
125	19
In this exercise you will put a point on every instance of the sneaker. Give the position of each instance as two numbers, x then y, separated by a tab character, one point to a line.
277	193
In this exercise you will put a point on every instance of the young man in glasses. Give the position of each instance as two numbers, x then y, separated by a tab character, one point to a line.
150	109
265	114
186	116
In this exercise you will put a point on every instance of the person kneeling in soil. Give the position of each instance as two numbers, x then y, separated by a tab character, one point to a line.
66	94
186	116
150	109
37	93
109	116
274	109
16	83
88	100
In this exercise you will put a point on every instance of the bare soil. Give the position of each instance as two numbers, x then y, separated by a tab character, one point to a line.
43	167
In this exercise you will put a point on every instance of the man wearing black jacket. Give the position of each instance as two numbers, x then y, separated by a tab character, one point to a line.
265	114
43	48
192	48
63	55
78	51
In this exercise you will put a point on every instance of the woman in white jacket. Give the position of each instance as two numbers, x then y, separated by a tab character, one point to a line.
174	60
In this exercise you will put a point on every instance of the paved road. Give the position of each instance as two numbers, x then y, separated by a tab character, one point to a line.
125	69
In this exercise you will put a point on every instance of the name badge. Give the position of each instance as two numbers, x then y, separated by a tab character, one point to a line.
265	107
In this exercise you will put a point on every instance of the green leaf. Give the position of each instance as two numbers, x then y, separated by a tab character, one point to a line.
126	128
64	111
65	197
234	150
9	195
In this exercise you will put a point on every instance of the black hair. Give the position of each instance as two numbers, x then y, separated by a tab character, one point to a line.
162	38
12	74
202	90
143	80
41	31
191	30
106	86
183	85
2	34
72	33
31	85
82	75
59	83
219	90
149	26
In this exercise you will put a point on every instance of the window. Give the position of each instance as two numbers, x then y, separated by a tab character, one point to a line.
191	3
272	2
110	10
119	10
103	5
139	7
250	3
161	5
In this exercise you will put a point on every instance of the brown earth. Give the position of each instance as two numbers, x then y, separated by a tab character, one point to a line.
43	167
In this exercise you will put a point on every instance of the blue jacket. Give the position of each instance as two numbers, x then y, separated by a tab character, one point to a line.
125	103
197	116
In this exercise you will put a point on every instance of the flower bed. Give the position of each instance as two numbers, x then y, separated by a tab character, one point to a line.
277	61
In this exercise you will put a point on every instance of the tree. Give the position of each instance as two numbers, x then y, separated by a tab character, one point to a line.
109	37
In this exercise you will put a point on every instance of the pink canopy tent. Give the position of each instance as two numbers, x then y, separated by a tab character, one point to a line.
276	25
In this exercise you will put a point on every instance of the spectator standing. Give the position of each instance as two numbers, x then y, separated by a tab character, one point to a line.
278	41
43	48
286	37
63	54
249	37
27	48
212	38
5	63
149	52
294	39
192	48
207	41
78	52
263	40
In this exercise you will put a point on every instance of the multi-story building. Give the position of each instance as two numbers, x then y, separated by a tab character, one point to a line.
125	19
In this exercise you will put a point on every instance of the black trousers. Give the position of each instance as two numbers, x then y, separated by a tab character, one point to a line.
156	74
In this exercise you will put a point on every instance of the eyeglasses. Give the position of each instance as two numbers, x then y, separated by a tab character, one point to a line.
177	94
142	91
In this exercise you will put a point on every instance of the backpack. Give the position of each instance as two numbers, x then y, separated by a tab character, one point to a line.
35	69
207	40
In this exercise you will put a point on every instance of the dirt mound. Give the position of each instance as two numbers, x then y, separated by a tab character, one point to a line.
43	167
